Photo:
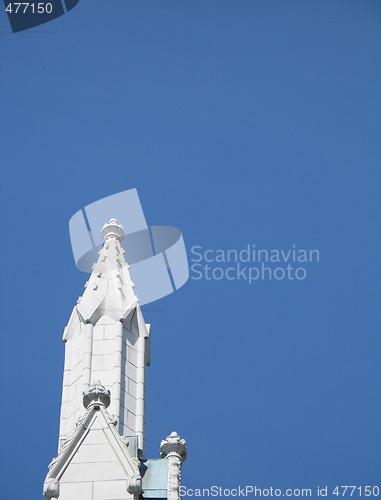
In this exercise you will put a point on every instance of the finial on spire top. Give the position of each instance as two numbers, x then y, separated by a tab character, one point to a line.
112	230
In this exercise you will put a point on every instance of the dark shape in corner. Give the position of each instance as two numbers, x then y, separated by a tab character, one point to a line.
23	17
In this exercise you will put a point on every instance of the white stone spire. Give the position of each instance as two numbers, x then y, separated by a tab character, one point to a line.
106	340
100	454
109	290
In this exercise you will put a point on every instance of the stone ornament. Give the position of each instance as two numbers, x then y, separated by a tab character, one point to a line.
52	488
173	444
97	394
134	485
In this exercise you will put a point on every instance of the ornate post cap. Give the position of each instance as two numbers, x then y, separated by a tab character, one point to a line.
112	230
96	394
173	444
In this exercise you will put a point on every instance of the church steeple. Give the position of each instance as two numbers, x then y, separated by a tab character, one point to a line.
101	444
107	339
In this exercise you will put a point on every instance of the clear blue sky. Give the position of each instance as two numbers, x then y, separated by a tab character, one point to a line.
238	122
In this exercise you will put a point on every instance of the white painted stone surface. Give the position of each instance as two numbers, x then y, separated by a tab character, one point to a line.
94	463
